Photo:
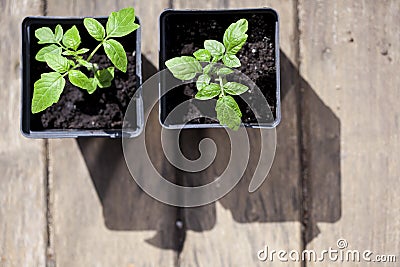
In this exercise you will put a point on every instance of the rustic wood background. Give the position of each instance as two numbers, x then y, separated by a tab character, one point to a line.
336	172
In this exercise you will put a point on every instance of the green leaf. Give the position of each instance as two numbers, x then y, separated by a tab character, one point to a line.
50	49
45	36
104	77
94	85
214	47
224	71
121	23
85	63
72	38
57	62
94	28
228	112
209	69
58	35
231	61
234	88
116	53
217	58
202	81
74	53
184	68
202	55
235	36
208	92
80	80
47	91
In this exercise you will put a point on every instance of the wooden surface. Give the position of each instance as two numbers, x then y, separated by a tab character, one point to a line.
335	175
22	162
350	57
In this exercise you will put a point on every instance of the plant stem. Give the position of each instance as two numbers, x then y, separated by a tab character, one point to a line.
94	51
221	83
76	66
63	47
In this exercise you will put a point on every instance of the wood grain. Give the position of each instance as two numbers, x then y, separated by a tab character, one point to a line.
148	14
232	231
100	216
192	4
22	162
350	57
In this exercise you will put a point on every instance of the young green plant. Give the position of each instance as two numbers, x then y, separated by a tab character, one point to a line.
188	67
63	55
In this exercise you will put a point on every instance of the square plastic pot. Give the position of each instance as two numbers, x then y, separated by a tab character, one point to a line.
183	31
30	123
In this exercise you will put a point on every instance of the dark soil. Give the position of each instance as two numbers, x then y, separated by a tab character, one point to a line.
104	109
77	109
185	33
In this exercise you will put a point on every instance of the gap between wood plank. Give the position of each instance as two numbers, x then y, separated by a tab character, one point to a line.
50	261
302	136
44	7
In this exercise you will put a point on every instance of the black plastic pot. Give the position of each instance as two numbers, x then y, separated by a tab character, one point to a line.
184	31
32	125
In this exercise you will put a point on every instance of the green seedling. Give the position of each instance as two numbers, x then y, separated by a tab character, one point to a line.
63	55
188	67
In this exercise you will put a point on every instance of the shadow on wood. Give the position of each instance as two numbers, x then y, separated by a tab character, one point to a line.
125	205
305	175
304	182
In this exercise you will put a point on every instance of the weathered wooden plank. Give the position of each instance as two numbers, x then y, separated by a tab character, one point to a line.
101	217
350	57
23	239
148	14
230	232
192	4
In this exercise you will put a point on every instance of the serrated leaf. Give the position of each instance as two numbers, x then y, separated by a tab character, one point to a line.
202	55
224	71
104	77
228	112
202	81
234	88
80	80
47	91
85	63
50	49
58	33
45	36
231	61
74	53
121	23
116	53
214	47
72	38
57	62
235	36
94	28
208	92
184	68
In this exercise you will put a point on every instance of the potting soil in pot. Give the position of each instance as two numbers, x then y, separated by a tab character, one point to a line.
186	33
77	109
